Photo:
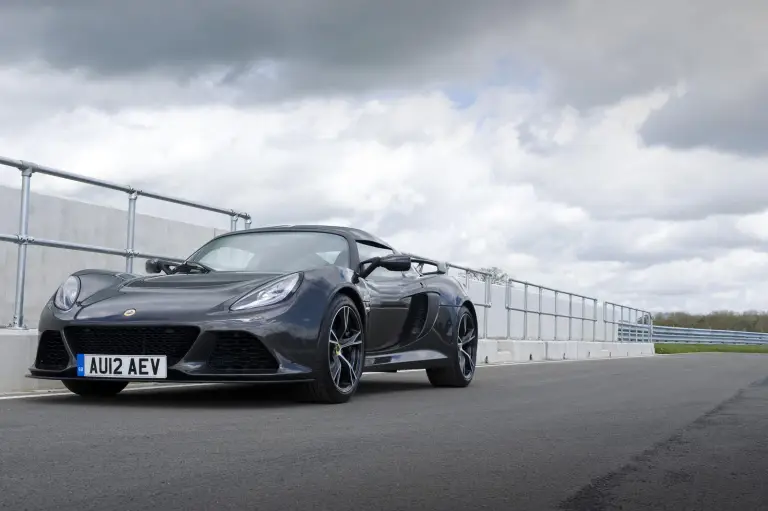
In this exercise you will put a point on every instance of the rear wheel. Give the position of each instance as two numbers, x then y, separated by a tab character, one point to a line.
94	388
461	372
342	353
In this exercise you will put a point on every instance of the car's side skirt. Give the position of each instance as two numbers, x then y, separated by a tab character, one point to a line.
413	359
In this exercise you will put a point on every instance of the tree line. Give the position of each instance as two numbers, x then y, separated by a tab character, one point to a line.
748	321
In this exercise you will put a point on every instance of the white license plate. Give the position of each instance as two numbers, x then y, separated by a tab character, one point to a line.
122	366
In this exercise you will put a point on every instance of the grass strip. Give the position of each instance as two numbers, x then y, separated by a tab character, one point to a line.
670	349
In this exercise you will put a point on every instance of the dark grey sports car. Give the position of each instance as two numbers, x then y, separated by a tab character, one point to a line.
313	305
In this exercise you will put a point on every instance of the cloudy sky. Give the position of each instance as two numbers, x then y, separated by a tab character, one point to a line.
612	148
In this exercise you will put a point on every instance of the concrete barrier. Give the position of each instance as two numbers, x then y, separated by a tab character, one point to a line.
19	349
494	351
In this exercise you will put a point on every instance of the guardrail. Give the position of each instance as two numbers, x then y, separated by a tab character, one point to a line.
540	312
642	322
574	312
23	239
678	335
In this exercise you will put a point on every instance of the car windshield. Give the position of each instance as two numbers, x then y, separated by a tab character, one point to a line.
274	252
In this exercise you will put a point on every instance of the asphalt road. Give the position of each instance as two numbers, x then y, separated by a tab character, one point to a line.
676	432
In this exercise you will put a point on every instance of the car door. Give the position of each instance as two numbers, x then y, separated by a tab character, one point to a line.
390	294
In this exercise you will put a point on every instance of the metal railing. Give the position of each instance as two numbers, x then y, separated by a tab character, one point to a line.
678	335
641	320
23	239
575	313
540	310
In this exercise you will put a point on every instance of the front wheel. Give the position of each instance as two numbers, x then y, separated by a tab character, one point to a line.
94	388
342	354
462	370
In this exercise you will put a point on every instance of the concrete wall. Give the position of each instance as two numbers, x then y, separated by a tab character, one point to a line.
67	220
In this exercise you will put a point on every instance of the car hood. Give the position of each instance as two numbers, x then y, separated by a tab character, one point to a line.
170	296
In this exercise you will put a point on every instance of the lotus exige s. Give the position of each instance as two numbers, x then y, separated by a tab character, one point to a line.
311	305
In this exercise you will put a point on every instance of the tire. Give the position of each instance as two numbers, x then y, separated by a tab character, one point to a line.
332	356
94	389
458	374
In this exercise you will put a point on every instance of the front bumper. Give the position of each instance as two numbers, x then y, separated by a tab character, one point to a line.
201	351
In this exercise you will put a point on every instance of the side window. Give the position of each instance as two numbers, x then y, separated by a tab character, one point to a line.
367	251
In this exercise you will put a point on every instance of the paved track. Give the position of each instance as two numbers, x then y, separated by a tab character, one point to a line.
677	432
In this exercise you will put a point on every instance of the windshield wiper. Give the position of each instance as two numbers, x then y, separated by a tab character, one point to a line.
188	266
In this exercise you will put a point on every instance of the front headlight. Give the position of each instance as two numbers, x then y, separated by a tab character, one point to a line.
270	294
67	293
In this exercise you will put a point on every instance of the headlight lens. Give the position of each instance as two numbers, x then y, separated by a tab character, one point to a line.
67	293
272	293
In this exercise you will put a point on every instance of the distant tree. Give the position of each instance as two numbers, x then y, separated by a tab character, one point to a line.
497	275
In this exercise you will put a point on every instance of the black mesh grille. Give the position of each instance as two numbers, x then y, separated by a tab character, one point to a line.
51	352
240	352
171	341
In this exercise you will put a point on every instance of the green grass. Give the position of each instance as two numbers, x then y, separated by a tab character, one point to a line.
668	349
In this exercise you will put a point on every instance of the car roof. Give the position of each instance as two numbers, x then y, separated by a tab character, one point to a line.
348	232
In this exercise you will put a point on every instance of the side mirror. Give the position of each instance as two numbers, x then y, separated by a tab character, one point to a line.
152	266
392	262
396	262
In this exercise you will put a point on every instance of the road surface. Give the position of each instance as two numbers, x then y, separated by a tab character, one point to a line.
668	432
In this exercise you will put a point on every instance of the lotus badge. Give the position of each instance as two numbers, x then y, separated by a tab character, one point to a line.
129	312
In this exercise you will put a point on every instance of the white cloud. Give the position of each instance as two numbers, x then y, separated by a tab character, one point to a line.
556	196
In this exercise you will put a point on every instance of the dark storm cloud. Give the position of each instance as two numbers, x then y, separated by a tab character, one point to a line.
317	44
731	123
583	54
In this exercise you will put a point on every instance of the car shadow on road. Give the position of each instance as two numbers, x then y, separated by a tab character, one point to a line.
227	395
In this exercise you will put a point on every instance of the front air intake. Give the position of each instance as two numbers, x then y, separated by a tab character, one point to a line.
172	341
51	352
240	352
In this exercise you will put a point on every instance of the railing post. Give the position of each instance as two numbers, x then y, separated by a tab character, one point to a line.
583	317
525	311
636	332
594	316
487	305
605	321
247	223
556	318
21	261
541	292
129	244
570	316
650	327
507	305
233	222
